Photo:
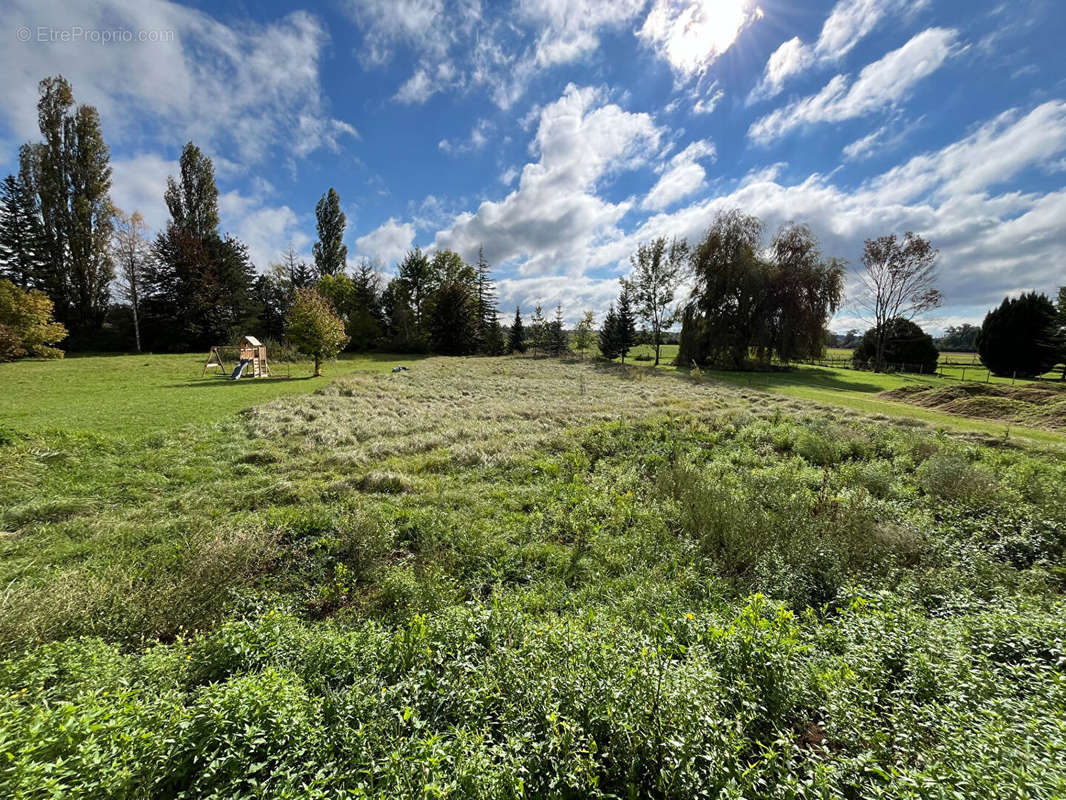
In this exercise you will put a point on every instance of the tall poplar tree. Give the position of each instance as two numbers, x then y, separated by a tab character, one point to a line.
199	285
69	173
330	252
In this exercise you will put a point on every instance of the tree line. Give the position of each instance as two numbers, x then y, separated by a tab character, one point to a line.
79	269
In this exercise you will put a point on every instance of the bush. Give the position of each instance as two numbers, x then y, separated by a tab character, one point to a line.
27	329
907	348
952	477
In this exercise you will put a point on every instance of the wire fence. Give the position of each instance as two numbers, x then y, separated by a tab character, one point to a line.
960	368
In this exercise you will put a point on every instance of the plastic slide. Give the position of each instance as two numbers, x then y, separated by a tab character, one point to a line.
239	371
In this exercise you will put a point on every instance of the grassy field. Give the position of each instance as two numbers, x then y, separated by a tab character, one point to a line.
515	578
139	394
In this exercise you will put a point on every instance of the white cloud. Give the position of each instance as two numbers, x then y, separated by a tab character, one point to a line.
847	24
455	47
692	34
879	84
709	102
550	222
479	137
989	243
570	28
246	89
681	177
137	184
791	58
388	242
864	147
266	230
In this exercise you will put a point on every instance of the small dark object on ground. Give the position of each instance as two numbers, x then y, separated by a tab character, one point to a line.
401	368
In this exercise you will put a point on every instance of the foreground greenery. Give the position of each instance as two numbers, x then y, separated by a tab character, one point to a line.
505	578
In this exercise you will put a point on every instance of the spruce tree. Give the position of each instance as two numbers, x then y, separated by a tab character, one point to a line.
557	338
330	252
538	330
486	299
626	329
20	234
493	343
608	338
516	338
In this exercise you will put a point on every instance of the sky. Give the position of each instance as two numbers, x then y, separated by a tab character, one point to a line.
559	134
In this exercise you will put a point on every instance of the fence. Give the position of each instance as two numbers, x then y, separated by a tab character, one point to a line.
961	370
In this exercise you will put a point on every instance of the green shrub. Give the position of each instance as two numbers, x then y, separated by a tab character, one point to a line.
952	477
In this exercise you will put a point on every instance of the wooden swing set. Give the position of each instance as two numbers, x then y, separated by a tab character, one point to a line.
251	353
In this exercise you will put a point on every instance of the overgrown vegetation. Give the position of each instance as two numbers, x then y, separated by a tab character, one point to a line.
503	578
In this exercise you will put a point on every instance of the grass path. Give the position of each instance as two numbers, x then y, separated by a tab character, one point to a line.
859	391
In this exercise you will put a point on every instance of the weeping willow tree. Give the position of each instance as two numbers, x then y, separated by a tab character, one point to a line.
753	304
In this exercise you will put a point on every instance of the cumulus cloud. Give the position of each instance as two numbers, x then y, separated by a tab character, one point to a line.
246	89
692	34
847	24
267	230
681	177
990	243
879	84
388	242
554	217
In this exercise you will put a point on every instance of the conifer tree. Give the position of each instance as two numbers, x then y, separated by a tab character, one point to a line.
20	234
330	252
557	338
516	338
608	338
538	331
298	273
626	328
485	299
493	343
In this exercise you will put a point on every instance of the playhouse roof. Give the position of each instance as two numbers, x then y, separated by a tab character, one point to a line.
253	341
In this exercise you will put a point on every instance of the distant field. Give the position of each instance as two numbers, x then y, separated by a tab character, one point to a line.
133	395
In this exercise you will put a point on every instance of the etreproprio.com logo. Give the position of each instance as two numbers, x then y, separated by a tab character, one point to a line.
77	34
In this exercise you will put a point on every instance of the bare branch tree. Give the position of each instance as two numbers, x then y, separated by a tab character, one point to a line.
896	281
132	252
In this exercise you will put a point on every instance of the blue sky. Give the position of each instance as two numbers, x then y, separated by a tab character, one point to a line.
558	134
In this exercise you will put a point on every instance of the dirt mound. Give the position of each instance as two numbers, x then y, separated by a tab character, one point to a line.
1030	404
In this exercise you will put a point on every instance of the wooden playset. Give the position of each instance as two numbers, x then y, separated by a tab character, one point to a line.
251	353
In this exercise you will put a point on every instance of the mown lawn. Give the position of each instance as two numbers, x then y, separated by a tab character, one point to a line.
523	578
137	394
